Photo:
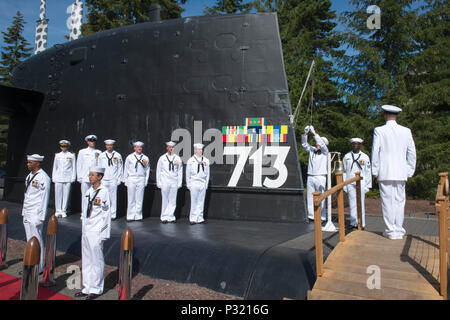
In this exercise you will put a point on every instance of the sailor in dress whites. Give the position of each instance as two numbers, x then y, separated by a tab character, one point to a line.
393	162
317	169
37	193
169	177
111	160
63	175
135	176
96	228
86	158
357	161
197	179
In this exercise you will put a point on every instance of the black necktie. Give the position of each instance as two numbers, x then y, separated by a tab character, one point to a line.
29	180
90	201
139	161
110	162
200	164
171	166
356	160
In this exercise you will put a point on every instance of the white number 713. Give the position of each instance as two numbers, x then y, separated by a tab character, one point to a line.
243	153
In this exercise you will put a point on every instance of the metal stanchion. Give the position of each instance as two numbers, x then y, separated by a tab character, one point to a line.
126	264
30	274
50	253
3	238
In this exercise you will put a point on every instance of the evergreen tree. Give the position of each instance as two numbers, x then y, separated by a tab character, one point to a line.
405	63
308	33
108	14
228	7
16	49
427	97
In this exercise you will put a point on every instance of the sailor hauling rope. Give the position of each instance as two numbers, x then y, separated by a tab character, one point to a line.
136	177
169	177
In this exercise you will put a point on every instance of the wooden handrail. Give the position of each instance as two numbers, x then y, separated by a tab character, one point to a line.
318	198
443	208
338	187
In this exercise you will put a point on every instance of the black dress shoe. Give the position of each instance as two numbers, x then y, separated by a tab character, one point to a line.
164	221
174	221
310	220
80	294
92	296
203	222
192	223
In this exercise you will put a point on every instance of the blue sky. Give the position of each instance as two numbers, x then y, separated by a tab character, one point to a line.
56	13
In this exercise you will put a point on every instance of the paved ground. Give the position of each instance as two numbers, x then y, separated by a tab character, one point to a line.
143	287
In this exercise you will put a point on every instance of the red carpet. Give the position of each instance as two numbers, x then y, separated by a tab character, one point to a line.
10	290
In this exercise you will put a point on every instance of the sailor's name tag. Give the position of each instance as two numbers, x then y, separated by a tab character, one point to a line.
97	202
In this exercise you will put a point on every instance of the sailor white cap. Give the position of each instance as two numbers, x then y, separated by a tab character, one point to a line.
35	157
391	109
325	140
91	136
138	144
97	169
198	145
64	143
356	140
170	144
110	141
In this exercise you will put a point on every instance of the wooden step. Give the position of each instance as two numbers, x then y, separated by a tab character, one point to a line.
361	290
317	294
419	287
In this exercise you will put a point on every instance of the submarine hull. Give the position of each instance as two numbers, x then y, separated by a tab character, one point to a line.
183	80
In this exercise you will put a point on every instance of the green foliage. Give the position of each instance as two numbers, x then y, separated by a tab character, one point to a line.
108	14
16	48
228	7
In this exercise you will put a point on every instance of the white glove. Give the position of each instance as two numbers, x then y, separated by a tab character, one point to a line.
307	129
311	129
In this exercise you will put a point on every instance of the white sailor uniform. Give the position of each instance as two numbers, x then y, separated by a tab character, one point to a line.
135	176
197	179
169	177
359	162
317	173
393	162
35	202
86	158
96	228
113	164
64	174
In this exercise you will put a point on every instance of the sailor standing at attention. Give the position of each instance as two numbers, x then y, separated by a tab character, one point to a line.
87	158
169	177
317	169
135	176
37	193
111	160
197	179
63	175
357	161
393	162
96	228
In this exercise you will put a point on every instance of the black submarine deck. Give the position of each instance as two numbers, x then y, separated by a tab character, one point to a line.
246	259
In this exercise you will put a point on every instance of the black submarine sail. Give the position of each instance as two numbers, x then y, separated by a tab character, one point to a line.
217	80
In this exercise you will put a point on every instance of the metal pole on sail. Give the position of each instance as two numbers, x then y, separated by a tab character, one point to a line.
293	117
